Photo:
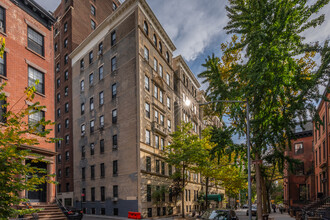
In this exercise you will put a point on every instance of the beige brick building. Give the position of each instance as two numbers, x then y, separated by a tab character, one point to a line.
128	93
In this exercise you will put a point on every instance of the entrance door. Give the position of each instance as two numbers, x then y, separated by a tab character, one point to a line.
41	194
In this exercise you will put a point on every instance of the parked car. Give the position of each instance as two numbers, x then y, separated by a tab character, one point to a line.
246	206
225	214
253	210
74	214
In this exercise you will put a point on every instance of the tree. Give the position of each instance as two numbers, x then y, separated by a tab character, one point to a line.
278	77
16	173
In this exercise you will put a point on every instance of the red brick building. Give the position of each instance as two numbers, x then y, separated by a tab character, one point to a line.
76	19
27	29
299	185
321	148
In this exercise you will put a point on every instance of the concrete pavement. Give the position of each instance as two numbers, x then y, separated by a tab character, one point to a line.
279	216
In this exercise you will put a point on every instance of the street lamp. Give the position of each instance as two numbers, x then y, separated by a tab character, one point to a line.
188	102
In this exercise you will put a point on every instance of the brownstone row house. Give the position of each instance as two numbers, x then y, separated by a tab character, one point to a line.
310	182
28	31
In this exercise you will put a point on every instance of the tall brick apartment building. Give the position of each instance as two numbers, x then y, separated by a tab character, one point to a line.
299	186
76	19
27	29
322	148
128	94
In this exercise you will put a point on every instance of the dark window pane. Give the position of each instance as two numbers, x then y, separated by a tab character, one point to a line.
35	41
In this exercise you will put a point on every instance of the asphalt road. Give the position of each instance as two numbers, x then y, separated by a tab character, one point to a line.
241	213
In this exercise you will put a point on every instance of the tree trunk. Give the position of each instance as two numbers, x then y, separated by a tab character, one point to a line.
264	195
259	190
268	201
206	192
183	184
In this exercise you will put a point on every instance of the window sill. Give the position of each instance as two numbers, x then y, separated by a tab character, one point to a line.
3	33
32	51
3	77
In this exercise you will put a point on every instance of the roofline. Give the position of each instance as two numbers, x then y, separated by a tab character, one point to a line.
42	10
183	62
115	15
324	94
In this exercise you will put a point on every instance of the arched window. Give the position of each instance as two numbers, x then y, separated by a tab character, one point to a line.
155	40
167	57
145	28
160	47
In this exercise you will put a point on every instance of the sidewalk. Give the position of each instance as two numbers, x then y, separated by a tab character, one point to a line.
279	216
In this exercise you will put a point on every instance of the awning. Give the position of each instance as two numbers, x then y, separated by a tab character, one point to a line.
215	197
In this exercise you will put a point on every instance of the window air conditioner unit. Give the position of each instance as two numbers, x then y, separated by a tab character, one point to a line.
115	199
100	53
57	69
83	133
114	147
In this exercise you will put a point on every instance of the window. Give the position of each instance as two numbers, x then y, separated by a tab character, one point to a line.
149	212
91	104
298	148
146	82
170	170
35	75
162	143
114	90
102	189
102	146
114	6
101	98
160	47
148	193
161	96
147	107
102	209
93	25
66	107
115	167
58	112
115	211
35	41
101	73
34	119
59	173
58	82
102	170
92	172
57	67
157	166
91	56
67	155
146	53
59	143
83	194
3	61
65	27
101	121
299	170
156	91
161	70
167	57
315	157
58	128
148	164
101	48
82	64
162	119
157	141
67	123
324	150
93	196
323	126
82	85
92	10
302	192
168	79
59	158
113	64
156	116
91	79
145	28
67	171
147	137
155	64
168	101
82	108
163	168
66	91
91	126
65	42
83	129
115	191
155	40
83	152
113	38
92	148
114	116
2	20
83	173
114	142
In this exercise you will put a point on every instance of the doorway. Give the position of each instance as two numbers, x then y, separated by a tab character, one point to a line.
41	194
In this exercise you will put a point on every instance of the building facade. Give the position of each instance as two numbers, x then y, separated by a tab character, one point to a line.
128	94
28	31
321	148
299	185
75	21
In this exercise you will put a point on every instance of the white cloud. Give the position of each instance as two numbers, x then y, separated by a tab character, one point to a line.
191	24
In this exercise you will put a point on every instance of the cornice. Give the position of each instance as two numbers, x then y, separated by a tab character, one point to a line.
192	77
